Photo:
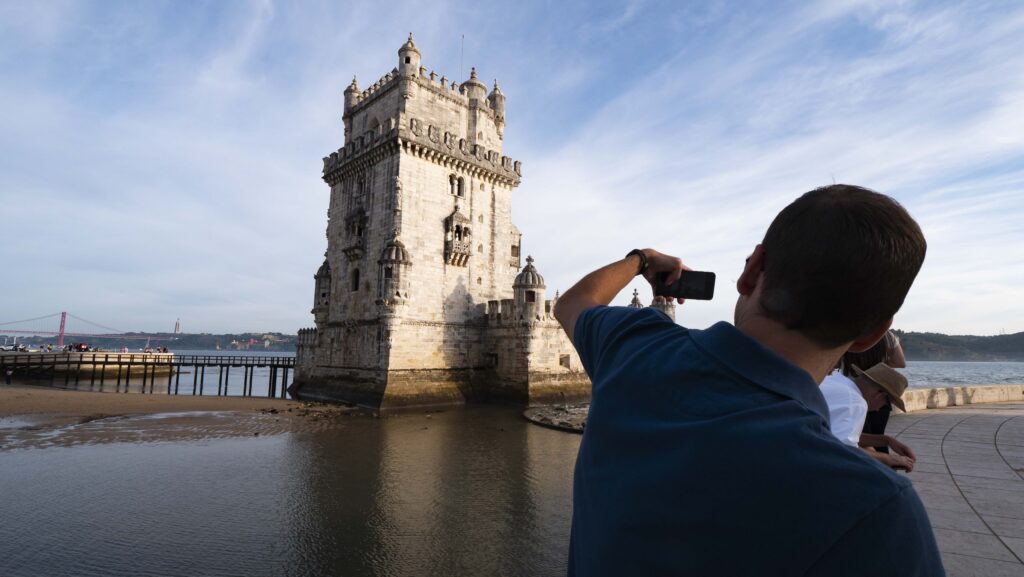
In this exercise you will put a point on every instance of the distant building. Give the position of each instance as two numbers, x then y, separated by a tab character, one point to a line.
420	299
177	326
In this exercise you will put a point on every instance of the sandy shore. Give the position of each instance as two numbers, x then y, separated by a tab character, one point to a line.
37	417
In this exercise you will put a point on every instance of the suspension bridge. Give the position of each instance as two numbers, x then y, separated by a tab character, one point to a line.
135	372
43	327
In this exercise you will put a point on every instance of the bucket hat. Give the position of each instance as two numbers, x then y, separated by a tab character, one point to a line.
889	379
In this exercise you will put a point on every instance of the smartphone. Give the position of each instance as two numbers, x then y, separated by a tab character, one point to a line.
693	284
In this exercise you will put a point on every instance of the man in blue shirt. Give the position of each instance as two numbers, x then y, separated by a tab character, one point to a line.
709	452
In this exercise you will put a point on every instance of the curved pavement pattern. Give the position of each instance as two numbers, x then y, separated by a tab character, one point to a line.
970	475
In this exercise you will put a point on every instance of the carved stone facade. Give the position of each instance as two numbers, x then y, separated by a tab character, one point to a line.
420	299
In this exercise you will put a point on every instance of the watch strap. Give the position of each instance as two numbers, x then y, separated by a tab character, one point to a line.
643	260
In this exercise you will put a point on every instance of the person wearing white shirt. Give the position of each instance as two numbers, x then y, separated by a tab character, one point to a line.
846	408
849	401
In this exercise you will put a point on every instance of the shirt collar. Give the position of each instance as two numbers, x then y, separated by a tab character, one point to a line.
761	365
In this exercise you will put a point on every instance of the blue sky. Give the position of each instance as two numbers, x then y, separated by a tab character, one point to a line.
162	159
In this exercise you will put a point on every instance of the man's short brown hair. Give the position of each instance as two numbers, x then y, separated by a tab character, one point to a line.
838	262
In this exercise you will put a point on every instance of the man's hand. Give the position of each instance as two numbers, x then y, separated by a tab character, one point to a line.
658	262
601	286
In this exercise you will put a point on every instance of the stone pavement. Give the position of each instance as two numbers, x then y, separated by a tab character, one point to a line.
970	475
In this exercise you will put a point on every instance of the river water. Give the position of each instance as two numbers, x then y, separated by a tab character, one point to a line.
475	491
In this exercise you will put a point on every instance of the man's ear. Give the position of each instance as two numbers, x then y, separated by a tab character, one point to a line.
751	276
861	345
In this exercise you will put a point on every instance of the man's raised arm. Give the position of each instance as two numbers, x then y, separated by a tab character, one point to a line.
601	286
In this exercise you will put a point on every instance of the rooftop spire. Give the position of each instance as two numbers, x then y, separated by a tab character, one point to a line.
635	303
409	45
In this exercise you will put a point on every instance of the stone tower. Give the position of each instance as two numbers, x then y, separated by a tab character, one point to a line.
419	240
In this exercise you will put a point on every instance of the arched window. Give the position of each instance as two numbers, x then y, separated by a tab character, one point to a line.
479	248
355	280
375	126
458	232
453	184
466	233
462	187
531	297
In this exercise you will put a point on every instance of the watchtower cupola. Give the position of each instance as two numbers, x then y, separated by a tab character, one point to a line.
529	292
635	303
473	88
392	274
322	293
497	101
409	58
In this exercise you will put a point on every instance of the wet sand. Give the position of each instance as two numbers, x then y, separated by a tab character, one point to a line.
38	417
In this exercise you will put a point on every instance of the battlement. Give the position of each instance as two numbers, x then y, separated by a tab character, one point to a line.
306	337
504	313
424	139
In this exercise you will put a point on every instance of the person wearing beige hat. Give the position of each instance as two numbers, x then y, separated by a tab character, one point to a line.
879	385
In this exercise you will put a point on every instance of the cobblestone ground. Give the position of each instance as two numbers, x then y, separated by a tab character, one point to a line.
970	475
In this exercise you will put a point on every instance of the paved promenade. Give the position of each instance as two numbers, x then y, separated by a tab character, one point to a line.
970	475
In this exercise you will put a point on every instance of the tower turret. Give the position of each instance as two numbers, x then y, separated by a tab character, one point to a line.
497	102
351	95
393	280
409	58
529	293
322	293
635	303
473	88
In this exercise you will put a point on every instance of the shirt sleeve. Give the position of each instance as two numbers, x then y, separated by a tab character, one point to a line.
847	421
895	539
600	332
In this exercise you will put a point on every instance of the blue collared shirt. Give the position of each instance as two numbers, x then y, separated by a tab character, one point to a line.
706	453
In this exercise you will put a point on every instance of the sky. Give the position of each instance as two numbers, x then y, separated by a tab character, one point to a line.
161	160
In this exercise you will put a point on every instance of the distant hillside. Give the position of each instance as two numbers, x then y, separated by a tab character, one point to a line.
939	347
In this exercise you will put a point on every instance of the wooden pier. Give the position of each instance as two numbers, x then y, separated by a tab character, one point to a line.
145	369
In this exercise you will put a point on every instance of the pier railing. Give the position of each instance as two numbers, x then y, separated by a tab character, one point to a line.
145	368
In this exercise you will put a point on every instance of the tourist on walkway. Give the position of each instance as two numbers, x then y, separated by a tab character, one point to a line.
708	452
850	399
888	351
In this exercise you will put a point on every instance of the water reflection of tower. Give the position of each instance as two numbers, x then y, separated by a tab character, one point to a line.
453	493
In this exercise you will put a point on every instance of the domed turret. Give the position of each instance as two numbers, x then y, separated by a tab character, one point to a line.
394	252
408	58
473	88
322	293
497	102
528	288
528	277
351	95
635	303
392	280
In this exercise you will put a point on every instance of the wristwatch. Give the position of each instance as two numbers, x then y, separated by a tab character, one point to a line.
643	260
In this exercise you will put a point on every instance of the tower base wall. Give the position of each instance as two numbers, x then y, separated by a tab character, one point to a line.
400	389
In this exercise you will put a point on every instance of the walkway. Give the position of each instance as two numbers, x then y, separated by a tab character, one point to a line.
970	475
